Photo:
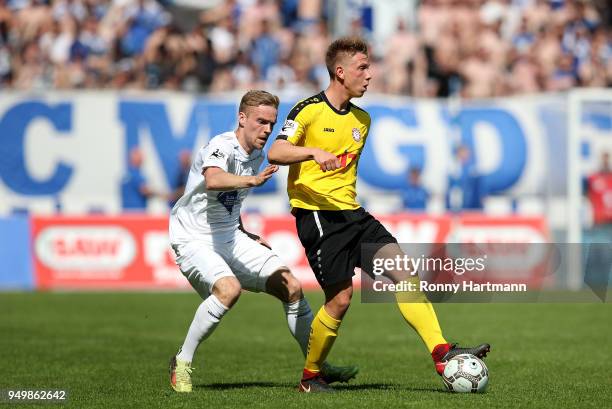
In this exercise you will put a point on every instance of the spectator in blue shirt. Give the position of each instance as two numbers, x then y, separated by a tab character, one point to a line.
183	175
414	195
465	190
143	18
135	191
265	50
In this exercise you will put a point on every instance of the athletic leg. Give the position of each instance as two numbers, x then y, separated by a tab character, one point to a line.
214	281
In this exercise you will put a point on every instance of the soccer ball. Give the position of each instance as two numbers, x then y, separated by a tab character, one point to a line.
466	373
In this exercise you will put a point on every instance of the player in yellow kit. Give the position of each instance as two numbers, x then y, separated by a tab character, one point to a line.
322	140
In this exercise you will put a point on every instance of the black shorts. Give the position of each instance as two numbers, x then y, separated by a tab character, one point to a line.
332	240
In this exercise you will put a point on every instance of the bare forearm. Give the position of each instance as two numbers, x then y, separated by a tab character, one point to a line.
229	181
285	153
147	191
216	178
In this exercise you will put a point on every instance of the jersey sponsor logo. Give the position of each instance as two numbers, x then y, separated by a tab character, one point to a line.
289	128
356	135
228	199
329	130
217	154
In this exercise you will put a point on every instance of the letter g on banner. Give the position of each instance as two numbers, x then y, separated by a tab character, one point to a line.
512	145
13	126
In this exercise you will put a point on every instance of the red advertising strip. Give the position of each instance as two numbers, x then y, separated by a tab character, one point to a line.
126	252
133	252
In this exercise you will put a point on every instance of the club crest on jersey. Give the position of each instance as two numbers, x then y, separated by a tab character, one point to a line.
356	135
228	199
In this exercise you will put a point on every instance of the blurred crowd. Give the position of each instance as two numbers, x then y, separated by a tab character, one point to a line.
472	48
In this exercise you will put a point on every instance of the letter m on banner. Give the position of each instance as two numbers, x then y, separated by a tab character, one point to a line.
151	117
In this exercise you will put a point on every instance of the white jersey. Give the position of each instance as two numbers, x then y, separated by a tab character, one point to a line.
208	214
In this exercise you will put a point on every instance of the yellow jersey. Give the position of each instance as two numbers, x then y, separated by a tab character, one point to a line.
314	122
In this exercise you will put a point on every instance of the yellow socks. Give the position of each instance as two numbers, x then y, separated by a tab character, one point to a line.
323	333
422	317
324	330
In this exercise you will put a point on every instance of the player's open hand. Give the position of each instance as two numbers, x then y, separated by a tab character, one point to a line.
264	175
326	161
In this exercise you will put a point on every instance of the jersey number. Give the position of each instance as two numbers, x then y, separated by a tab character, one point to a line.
344	158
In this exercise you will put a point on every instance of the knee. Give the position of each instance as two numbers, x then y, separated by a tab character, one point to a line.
284	286
341	302
344	301
227	290
294	289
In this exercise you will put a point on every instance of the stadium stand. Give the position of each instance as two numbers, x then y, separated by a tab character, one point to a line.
468	48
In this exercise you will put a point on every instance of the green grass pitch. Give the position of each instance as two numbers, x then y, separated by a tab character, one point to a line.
110	350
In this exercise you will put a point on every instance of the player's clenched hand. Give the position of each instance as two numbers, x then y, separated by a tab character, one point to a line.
325	160
264	175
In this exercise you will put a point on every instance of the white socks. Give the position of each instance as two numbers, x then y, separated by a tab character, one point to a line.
299	318
207	316
210	312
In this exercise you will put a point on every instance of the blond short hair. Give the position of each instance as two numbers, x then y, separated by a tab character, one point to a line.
255	98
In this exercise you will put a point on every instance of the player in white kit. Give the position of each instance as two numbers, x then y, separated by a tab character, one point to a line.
212	249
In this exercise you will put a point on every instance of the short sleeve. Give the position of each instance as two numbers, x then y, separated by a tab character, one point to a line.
292	130
297	121
216	155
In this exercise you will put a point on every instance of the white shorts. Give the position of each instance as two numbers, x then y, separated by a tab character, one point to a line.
203	263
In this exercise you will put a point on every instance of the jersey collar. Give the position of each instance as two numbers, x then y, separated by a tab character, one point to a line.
245	156
324	97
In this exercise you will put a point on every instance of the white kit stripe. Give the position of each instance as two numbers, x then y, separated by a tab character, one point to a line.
318	222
